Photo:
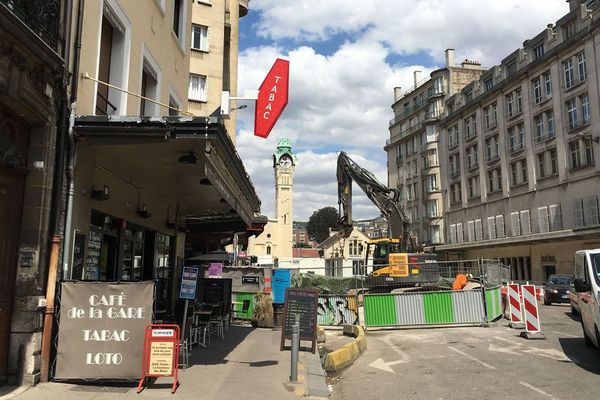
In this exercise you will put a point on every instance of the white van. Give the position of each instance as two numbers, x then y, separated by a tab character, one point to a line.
587	286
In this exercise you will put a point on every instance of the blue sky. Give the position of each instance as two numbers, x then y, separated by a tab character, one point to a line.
346	57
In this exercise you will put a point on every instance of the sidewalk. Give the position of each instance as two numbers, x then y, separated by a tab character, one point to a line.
246	365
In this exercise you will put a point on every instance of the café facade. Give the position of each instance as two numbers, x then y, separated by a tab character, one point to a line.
142	185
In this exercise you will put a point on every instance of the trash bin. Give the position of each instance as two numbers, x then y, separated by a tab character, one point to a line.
277	316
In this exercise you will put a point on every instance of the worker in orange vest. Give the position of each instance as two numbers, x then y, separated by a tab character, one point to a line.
461	281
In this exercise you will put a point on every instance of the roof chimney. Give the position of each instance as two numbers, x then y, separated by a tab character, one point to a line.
417	77
397	93
449	57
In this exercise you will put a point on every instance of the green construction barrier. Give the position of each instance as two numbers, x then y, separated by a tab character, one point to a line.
380	310
438	308
493	303
237	308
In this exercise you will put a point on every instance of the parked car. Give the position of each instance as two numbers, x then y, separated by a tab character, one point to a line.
587	286
557	289
574	299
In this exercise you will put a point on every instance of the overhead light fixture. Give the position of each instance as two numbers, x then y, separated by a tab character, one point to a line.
240	107
101	195
143	212
189	158
205	181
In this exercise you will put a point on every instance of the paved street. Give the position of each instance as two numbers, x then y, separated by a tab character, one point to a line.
475	363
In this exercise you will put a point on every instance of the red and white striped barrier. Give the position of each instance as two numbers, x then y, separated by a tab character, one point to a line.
530	306
514	302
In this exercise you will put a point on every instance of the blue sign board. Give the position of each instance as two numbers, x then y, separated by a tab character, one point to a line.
282	279
189	278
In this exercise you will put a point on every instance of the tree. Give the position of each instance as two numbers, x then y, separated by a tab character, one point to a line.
320	222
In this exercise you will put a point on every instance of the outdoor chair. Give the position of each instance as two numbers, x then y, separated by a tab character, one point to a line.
217	319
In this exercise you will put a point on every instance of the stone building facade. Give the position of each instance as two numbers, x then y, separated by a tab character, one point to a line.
520	179
32	109
413	146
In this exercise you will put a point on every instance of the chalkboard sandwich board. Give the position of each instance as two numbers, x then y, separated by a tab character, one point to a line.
303	302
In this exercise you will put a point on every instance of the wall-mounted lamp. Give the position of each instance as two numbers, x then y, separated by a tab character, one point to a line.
171	222
189	158
240	107
595	139
101	195
143	212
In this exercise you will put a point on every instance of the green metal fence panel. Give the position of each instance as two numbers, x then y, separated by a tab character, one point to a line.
380	310
493	303
438	308
237	308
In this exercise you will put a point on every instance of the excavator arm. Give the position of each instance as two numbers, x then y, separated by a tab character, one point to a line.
386	199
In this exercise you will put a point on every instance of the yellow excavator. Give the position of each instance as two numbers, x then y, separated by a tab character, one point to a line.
398	260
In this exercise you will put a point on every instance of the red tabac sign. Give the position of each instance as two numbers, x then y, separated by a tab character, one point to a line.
272	98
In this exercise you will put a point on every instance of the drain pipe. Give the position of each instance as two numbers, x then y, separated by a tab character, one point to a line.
72	146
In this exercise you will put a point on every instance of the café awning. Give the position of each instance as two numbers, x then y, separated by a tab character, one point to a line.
191	160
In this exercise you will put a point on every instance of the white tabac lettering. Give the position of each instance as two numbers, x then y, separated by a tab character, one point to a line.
271	97
274	90
105	335
267	115
277	78
269	107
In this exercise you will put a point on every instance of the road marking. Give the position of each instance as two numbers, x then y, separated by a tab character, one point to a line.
385	366
538	390
548	353
513	342
470	357
508	350
565	334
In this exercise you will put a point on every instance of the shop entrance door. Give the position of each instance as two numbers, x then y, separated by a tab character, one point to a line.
11	206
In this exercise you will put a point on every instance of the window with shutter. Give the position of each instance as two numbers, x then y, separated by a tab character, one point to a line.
459	233
500	226
543	219
471	230
478	230
578	213
555	217
525	222
515	225
590	211
492	227
453	233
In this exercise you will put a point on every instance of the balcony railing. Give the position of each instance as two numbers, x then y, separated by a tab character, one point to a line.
492	157
578	123
404	133
455	173
41	16
544	137
516	147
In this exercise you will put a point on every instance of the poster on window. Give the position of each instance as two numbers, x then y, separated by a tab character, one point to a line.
101	329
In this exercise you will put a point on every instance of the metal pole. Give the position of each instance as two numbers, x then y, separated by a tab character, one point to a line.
49	313
295	349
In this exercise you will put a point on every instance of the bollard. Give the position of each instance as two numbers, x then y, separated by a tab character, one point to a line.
295	349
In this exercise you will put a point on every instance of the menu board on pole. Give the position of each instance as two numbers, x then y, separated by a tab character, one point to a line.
302	302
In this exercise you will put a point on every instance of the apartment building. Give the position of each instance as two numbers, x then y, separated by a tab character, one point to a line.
519	177
413	146
214	56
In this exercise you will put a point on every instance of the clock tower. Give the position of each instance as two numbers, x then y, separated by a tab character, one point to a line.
284	164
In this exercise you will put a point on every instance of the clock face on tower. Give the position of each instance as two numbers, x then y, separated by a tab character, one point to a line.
285	162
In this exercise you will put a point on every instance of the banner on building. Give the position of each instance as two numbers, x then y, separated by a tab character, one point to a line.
101	329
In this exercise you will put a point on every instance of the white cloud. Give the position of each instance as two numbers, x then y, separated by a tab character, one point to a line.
484	29
342	101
